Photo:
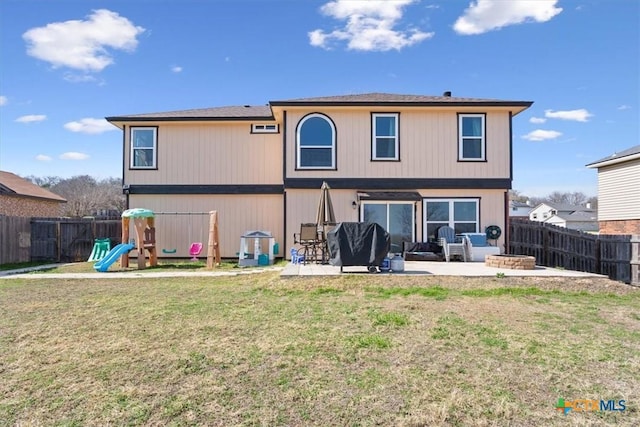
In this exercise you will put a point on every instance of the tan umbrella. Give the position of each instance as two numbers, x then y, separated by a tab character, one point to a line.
325	207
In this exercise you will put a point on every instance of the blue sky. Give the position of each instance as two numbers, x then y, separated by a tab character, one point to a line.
65	65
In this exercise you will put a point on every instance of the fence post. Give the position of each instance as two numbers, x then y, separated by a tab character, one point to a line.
598	257
635	260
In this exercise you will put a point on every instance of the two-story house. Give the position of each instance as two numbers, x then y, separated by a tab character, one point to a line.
519	209
618	192
575	217
409	162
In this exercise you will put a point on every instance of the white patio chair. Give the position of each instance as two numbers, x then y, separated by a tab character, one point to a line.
452	245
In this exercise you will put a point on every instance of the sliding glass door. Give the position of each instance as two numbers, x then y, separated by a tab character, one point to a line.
396	217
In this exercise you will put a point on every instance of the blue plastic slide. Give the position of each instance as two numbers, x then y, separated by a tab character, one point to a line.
115	253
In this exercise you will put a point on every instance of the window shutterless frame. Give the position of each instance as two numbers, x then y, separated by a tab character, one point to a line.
315	143
143	145
385	137
461	214
472	141
265	128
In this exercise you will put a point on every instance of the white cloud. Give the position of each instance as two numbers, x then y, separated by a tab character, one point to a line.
3	100
73	155
622	107
31	118
580	115
79	78
369	25
83	45
542	135
176	69
537	120
89	125
43	158
488	15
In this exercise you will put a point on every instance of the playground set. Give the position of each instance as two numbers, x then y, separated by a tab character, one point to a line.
145	242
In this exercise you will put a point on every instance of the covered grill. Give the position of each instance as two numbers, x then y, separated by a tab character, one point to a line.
358	244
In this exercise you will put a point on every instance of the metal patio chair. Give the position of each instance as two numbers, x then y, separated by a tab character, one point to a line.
310	241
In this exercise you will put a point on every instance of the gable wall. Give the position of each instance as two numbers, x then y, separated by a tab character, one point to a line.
618	194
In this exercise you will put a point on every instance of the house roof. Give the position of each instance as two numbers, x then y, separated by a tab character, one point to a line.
563	207
12	184
240	112
623	156
397	99
264	112
517	204
578	217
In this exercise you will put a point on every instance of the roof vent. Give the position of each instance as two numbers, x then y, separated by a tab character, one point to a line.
447	94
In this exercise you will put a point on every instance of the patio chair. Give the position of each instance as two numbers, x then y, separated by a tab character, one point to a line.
451	245
309	240
478	246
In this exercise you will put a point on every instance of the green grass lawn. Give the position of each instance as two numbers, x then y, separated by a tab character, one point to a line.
353	350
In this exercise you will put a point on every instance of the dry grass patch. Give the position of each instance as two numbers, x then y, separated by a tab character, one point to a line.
352	350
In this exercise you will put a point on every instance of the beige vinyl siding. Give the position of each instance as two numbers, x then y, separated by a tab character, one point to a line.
302	207
428	144
618	191
210	153
237	214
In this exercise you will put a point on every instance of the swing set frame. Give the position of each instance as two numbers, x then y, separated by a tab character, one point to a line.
195	248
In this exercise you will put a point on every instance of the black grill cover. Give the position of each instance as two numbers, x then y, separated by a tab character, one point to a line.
357	243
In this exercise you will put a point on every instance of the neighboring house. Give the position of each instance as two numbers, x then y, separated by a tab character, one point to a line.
21	197
580	220
519	209
576	217
619	192
409	162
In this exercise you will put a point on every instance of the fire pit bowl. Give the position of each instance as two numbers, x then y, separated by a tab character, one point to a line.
513	262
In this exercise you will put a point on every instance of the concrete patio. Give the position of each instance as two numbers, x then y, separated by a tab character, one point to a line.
468	269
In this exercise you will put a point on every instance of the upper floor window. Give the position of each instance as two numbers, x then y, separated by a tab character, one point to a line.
385	141
144	146
264	128
316	143
471	137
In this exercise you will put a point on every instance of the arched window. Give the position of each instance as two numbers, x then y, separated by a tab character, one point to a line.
316	143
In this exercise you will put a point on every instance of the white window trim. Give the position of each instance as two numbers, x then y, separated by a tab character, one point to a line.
452	223
374	136
332	146
264	128
483	138
133	149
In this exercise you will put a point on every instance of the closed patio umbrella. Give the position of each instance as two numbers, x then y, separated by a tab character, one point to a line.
325	207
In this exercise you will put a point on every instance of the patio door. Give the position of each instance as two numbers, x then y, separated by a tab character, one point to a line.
397	218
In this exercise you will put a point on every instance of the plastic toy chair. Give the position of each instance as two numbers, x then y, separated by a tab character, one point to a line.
195	250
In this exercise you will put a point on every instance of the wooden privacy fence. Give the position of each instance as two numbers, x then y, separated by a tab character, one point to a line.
15	241
70	239
554	246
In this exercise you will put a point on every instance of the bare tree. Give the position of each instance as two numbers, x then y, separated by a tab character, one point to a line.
517	196
568	198
87	196
44	182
